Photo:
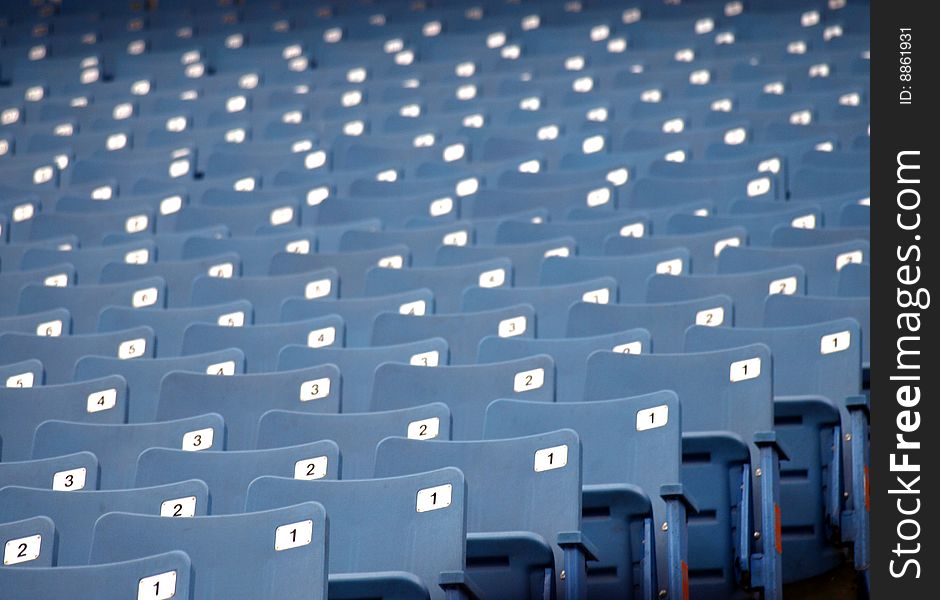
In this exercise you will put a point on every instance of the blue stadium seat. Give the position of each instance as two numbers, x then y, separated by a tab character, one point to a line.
59	355
359	314
52	473
179	275
665	321
367	556
167	573
261	343
265	293
747	290
463	331
169	325
817	381
632	473
75	513
85	302
569	355
242	399
143	377
29	542
101	400
228	473
241	556
357	365
356	434
551	302
545	535
118	446
351	266
25	373
466	389
446	283
728	433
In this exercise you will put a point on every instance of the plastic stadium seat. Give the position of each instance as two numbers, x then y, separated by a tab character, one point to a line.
446	283
279	552
525	258
261	343
424	242
463	331
359	314
75	513
628	271
632	473
60	354
351	266
780	311
52	473
89	263
747	290
357	365
169	572
367	556
546	535
118	446
466	389
569	355
728	432
85	302
665	321
266	293
53	322
704	247
144	376
15	281
242	399
170	324
22	410
228	473
179	275
817	381
25	373
356	434
29	542
551	302
821	263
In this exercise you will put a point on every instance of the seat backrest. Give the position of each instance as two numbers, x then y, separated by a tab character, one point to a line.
53	473
412	523
24	373
228	473
463	331
170	324
466	389
75	513
569	354
545	468
356	434
721	391
818	359
278	553
118	446
29	542
59	354
747	290
164	575
357	365
262	343
665	321
101	400
144	376
242	399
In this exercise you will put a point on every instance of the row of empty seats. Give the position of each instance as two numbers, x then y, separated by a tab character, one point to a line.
433	299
